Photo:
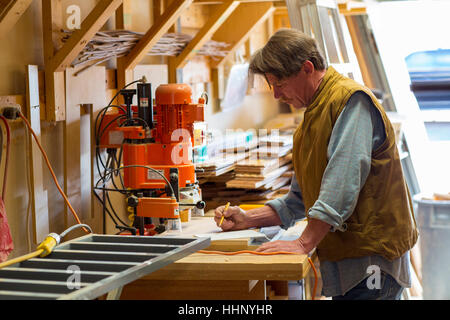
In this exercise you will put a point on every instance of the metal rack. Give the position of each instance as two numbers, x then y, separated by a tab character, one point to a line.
93	265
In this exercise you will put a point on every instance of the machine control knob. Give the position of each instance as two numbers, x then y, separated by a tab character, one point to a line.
201	205
132	201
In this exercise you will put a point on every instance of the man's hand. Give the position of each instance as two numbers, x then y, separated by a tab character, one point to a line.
314	232
235	218
280	245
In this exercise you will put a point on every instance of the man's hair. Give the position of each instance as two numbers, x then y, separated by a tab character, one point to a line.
285	53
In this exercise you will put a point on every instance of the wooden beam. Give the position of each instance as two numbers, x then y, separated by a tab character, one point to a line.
10	13
123	21
157	9
240	24
158	29
52	20
205	33
78	40
39	200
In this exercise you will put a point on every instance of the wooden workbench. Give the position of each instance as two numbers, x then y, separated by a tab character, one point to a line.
214	276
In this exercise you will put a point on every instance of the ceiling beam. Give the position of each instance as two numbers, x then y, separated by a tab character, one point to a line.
239	25
10	12
157	30
80	38
205	33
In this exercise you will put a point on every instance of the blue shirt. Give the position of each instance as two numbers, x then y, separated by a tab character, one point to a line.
357	132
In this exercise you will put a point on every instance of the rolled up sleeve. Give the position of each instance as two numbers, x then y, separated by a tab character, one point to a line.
289	207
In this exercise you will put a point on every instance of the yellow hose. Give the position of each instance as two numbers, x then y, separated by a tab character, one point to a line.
21	258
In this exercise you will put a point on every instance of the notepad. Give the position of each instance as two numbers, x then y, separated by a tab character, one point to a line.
232	235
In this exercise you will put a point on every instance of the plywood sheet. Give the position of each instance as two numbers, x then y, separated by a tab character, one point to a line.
88	87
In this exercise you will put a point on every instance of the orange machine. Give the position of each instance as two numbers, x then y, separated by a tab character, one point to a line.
157	152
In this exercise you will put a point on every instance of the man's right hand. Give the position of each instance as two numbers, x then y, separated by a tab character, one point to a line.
235	218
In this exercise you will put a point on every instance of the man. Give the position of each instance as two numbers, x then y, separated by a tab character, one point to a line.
348	177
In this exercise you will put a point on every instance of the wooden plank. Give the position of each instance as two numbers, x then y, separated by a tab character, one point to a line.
157	9
158	28
78	40
88	87
52	20
194	290
39	200
355	35
123	21
200	266
10	13
205	33
123	16
239	25
156	74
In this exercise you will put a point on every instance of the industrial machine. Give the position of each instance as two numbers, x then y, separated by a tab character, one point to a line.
156	143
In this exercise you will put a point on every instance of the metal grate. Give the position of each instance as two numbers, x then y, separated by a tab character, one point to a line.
92	265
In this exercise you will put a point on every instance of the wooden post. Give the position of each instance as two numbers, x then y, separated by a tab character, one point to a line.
54	81
39	200
239	25
123	21
57	61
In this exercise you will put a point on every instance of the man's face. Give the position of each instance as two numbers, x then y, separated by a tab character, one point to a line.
295	90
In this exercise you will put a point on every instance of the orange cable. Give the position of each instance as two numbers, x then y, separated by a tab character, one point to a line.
8	142
315	278
232	253
51	171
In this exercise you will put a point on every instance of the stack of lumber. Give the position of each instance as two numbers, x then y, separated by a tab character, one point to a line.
263	172
273	147
217	166
267	174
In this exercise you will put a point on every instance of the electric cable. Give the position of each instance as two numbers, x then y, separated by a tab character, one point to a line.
149	168
107	173
135	118
106	209
118	165
75	215
103	131
76	226
45	247
8	143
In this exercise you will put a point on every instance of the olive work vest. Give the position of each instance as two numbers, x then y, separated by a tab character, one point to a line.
382	222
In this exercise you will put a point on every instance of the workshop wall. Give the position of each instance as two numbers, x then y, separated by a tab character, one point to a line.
23	46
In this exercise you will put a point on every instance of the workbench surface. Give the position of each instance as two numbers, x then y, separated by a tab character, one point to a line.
200	275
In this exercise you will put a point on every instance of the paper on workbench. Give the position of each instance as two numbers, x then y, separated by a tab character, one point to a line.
232	235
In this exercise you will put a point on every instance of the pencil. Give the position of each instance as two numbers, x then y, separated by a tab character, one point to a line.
223	214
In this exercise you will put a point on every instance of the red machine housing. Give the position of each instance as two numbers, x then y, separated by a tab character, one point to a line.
173	139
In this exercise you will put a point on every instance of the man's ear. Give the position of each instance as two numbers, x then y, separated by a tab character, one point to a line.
308	66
